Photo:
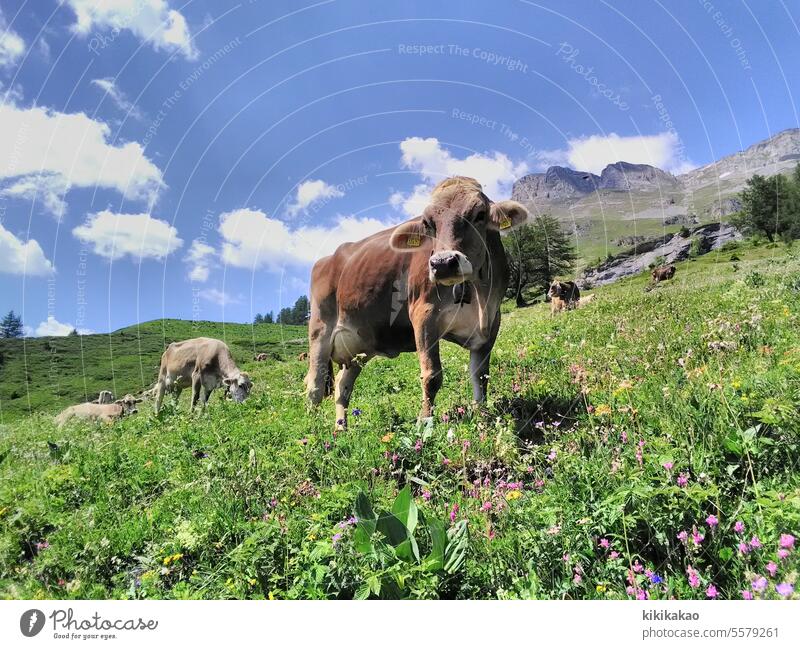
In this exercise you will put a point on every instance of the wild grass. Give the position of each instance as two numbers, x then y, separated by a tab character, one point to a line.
620	446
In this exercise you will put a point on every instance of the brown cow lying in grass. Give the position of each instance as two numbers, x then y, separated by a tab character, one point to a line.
106	412
663	273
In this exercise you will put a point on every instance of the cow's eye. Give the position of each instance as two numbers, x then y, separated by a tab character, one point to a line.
480	216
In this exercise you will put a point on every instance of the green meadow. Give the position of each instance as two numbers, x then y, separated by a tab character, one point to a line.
645	446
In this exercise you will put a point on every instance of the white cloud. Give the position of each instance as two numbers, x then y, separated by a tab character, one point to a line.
52	327
55	151
199	258
139	235
22	258
313	191
251	239
118	97
47	188
12	47
494	170
219	297
594	152
152	21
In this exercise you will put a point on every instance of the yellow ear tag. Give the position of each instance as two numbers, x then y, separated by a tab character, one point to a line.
505	223
413	241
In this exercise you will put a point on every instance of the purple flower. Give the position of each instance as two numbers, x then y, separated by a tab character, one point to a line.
614	554
759	584
786	541
418	446
772	568
755	542
426	496
697	537
744	548
782	554
746	594
738	527
552	455
356	412
682	480
336	538
784	589
712	520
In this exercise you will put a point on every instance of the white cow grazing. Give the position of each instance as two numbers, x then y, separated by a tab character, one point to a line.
106	412
204	364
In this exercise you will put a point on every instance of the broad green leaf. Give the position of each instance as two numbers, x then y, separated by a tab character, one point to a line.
438	543
364	514
362	592
456	550
391	527
405	509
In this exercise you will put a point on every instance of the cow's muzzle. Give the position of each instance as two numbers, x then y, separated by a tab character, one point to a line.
449	267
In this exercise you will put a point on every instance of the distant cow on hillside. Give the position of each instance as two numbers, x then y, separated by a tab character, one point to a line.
105	396
204	364
439	276
563	296
105	412
663	273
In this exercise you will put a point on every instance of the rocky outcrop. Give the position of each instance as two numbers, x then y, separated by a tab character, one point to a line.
625	176
725	207
556	184
670	247
680	219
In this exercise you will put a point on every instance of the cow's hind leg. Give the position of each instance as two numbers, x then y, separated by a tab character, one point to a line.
161	388
344	389
320	369
479	365
197	385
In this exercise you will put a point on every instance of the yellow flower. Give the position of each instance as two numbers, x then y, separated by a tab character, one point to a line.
252	582
736	384
513	495
602	409
387	438
600	588
271	596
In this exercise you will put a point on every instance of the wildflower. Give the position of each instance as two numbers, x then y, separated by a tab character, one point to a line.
336	538
605	543
514	494
515	387
445	418
667	466
694	578
637	567
759	584
426	496
602	409
642	594
682	480
784	589
697	537
395	457
772	568
755	542
554	530
552	455
465	445
613	554
600	588
712	520
446	461
656	579
340	422
453	512
387	438
356	412
682	536
782	554
639	452
744	548
460	410
485	507
624	437
577	579
711	591
42	545
303	442
738	527
786	541
746	594
418	446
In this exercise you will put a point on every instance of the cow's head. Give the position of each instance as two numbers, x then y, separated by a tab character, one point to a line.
454	226
128	403
238	386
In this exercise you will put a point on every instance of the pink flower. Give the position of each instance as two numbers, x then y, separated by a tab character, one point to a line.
759	584
637	567
784	589
485	507
746	594
418	446
782	554
712	521
772	568
711	591
694	578
682	480
786	541
755	542
426	495
744	548
453	512
668	466
605	543
682	536
446	461
445	418
738	527
552	455
697	537
577	579
614	554
465	445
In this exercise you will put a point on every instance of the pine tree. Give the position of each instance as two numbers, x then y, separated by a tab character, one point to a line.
11	326
301	310
259	319
269	318
537	253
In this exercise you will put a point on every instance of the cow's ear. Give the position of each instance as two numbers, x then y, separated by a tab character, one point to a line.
408	236
507	215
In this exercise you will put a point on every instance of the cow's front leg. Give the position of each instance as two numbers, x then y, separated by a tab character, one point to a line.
479	365
344	389
430	366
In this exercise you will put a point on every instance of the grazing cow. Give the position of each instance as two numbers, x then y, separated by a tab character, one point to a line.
105	396
563	296
663	273
439	276
106	412
204	364
261	357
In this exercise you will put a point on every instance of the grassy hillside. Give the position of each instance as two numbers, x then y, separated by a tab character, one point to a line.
47	374
646	446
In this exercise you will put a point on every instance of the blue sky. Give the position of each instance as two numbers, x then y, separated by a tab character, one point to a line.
192	159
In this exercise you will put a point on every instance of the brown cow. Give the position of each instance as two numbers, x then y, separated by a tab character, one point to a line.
204	364
663	273
105	396
261	357
439	276
106	412
563	296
